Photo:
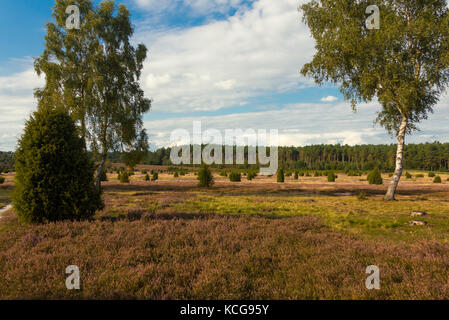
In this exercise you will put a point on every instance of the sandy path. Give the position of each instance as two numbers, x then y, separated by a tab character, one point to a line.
4	209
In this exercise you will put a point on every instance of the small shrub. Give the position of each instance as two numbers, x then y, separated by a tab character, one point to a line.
437	179
176	175
301	174
155	176
144	171
296	175
147	177
251	175
374	177
2	180
124	177
331	177
362	196
316	174
280	176
205	177
288	174
235	176
55	178
431	174
408	175
420	175
103	175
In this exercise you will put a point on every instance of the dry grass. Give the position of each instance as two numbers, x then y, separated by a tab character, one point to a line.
251	240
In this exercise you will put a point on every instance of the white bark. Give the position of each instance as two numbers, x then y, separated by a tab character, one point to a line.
390	196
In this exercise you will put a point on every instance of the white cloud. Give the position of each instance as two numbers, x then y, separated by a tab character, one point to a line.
223	63
329	99
16	104
198	6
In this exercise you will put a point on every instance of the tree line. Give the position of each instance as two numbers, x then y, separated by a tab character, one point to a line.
429	156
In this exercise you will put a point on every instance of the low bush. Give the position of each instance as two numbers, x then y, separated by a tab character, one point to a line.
331	177
251	175
280	176
374	177
437	179
155	176
205	177
124	177
408	175
431	174
2	180
235	176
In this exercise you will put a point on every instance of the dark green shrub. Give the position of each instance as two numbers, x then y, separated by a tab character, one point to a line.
155	176
176	175
437	179
235	176
251	175
316	174
408	175
301	174
147	177
420	175
431	174
54	176
144	171
205	177
103	175
288	174
374	177
124	177
2	180
280	176
296	175
331	177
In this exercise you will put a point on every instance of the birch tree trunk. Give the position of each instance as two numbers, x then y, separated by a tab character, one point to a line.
99	170
390	196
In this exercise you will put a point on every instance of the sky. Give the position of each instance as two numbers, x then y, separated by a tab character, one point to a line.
231	64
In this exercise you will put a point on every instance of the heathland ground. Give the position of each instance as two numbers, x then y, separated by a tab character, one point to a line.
302	239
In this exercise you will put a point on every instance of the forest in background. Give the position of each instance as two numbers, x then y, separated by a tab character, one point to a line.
428	156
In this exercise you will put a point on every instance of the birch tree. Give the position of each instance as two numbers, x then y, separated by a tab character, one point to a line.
396	51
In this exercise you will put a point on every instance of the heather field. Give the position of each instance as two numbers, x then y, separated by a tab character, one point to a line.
259	239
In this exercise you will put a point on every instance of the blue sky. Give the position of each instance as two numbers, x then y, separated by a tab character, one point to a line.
229	63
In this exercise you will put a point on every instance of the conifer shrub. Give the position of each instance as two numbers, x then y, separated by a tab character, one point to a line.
437	179
147	177
374	177
54	176
251	175
280	176
296	177
155	176
235	176
124	177
205	177
331	176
